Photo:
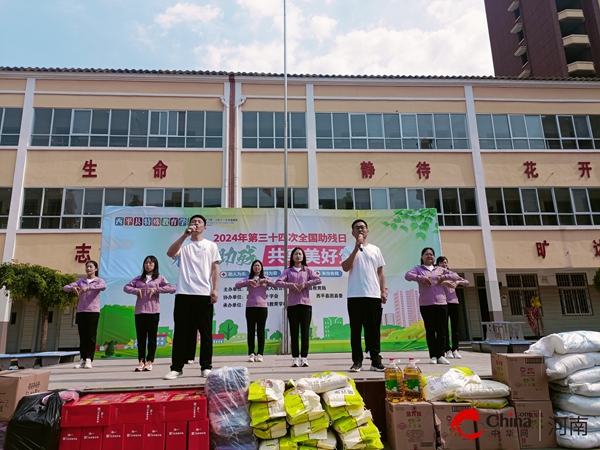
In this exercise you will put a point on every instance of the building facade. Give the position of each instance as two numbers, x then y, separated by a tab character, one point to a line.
512	166
544	38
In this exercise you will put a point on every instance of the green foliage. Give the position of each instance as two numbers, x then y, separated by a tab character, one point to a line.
596	281
339	332
276	336
117	323
228	328
417	221
30	281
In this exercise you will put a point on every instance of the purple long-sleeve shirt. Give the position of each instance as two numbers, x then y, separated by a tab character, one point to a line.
146	304
290	277
451	296
434	294
89	301
257	296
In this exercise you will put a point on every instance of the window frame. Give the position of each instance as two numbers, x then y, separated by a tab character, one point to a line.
522	302
571	288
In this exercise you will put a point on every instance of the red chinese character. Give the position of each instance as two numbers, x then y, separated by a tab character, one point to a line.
541	248
367	169
90	168
530	169
160	170
423	169
585	168
82	253
596	248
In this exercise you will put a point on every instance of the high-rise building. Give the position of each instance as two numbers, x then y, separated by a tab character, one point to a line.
406	307
544	38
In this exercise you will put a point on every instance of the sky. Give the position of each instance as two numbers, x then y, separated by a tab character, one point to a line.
341	37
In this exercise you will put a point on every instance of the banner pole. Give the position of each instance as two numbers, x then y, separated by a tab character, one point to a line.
285	340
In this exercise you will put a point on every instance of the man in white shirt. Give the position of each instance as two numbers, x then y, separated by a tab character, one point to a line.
366	295
197	292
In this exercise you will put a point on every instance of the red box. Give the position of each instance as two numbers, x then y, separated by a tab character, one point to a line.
91	438
70	439
198	434
154	436
176	433
184	406
113	437
139	407
89	411
133	436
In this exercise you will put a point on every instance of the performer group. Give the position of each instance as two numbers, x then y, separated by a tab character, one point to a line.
197	289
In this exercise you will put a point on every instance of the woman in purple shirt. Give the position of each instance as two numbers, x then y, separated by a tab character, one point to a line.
147	288
256	308
453	309
88	311
298	278
432	302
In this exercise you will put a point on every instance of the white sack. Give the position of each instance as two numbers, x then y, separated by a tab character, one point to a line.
485	389
565	419
439	387
561	366
586	389
591	375
577	404
567	342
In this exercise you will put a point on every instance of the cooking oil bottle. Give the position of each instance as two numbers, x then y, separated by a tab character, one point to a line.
393	382
413	388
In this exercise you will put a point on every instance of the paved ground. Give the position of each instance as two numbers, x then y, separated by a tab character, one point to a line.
118	374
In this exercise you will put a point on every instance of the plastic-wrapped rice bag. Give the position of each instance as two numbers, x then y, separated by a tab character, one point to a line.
358	437
263	411
346	424
488	403
346	396
319	435
327	444
271	429
266	390
343	411
485	389
284	443
312	426
299	401
439	387
323	382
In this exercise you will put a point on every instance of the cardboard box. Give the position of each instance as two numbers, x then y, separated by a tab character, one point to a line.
184	406
499	429
410	426
89	411
139	407
154	436
16	384
112	437
133	436
524	373
91	438
70	439
198	434
176	435
535	420
446	412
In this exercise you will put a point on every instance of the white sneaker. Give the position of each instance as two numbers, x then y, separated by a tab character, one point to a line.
88	363
259	358
251	357
433	361
190	361
449	354
303	362
442	360
296	362
368	355
206	372
173	374
81	364
456	354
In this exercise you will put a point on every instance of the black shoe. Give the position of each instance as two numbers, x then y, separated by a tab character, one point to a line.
356	367
377	367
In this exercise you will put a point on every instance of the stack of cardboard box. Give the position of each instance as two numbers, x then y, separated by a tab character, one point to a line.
149	420
18	383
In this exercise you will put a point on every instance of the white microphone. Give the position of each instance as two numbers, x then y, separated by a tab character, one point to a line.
360	236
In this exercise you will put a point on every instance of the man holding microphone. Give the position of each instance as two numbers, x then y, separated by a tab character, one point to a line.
366	295
197	292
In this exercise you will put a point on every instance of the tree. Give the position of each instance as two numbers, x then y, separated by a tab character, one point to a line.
25	282
228	328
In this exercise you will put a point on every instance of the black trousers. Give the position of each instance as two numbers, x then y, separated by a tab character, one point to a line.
453	316
190	346
146	327
256	319
435	318
299	317
87	325
365	312
192	312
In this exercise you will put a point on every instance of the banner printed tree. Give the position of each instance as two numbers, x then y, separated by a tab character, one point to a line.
228	328
418	221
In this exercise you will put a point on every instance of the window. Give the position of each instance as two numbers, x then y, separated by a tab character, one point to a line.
127	128
573	293
5	194
521	288
10	125
502	131
265	130
273	198
543	206
391	131
77	208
